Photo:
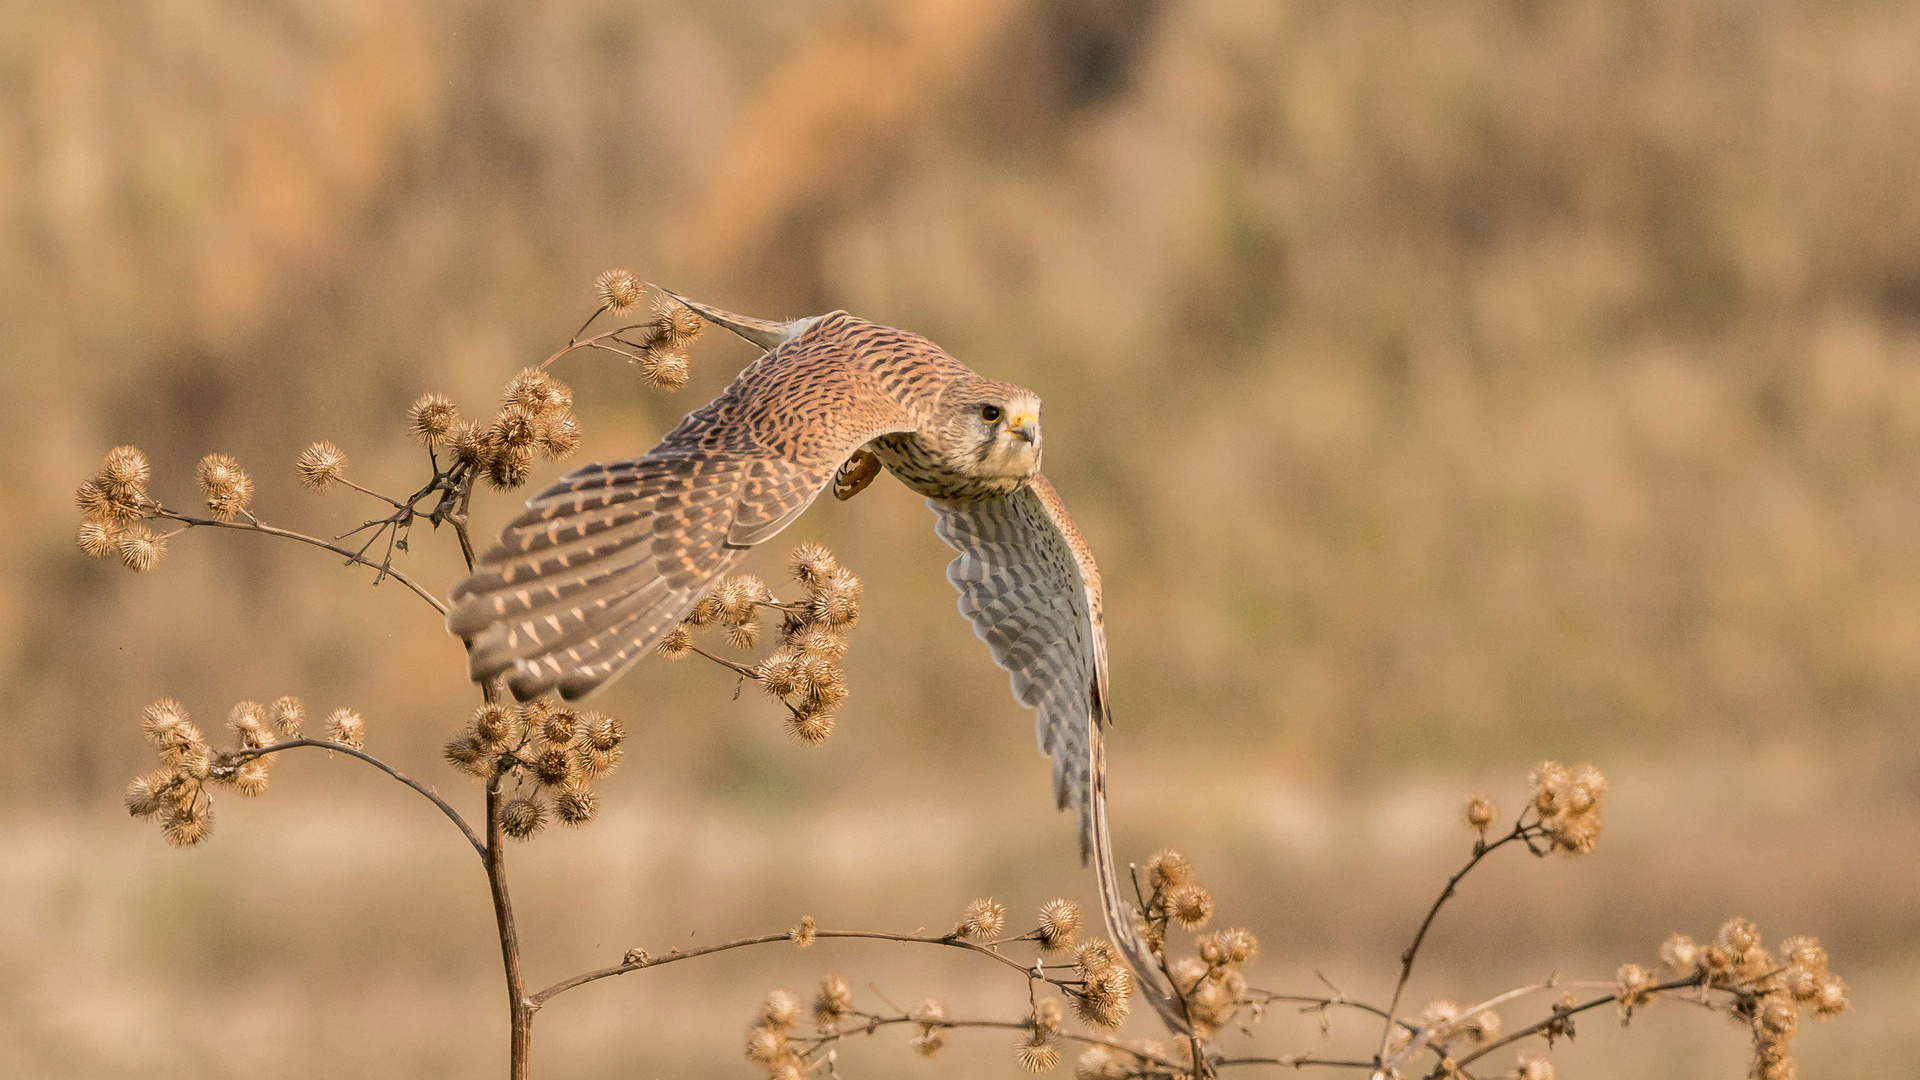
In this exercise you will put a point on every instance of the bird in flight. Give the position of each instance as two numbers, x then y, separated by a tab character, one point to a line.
608	560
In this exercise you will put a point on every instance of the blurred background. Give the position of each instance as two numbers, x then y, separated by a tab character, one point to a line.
1442	388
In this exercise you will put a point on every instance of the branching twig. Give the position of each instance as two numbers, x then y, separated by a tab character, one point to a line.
269	530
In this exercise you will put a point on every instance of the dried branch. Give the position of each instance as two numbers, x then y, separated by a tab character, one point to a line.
453	815
642	960
352	557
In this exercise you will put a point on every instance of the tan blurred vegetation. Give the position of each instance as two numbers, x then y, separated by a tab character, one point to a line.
1441	387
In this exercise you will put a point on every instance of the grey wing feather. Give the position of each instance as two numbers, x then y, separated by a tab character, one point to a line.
1023	588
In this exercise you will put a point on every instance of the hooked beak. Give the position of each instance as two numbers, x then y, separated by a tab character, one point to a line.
1025	427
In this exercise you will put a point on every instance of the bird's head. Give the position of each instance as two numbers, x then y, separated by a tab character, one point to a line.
991	429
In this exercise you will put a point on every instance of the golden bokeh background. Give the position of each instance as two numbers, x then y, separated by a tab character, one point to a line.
1442	387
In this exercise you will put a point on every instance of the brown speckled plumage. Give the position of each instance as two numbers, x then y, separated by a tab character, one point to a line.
609	559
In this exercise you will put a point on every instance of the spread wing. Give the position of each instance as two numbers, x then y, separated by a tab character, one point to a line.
1028	584
609	559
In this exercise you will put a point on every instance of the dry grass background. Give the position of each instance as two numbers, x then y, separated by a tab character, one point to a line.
1441	386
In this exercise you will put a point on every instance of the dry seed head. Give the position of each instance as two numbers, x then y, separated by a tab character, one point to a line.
929	1013
319	465
1634	986
1481	812
1776	1019
1585	790
1483	1027
226	485
468	441
1096	956
1036	1052
1804	952
1531	1066
493	725
554	766
1233	946
816	640
1438	1014
431	419
1106	998
677	644
1773	1061
780	1010
603	733
928	1043
707	610
188	825
287	714
98	539
507	466
96	505
145	793
1549	780
836	604
466	754
1187	973
1738	935
1059	922
738	595
559	436
124	474
833	1002
537	393
1168	869
141	549
803	932
1680	954
165	724
665	368
810	725
523	816
781	674
1831	998
812	564
248	722
346	727
1098	1063
743	635
515	428
560	726
619	290
829	689
677	323
1191	905
983	919
1046	1015
250	778
765	1045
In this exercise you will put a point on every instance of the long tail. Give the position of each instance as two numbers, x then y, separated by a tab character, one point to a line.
1115	909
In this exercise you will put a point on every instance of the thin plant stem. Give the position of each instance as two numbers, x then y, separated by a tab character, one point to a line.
269	530
1481	849
766	939
327	744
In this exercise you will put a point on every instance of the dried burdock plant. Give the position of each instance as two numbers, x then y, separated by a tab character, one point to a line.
540	761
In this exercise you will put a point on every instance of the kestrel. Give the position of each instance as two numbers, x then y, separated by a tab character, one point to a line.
608	560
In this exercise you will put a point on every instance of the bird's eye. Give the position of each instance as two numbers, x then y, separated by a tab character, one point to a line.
990	413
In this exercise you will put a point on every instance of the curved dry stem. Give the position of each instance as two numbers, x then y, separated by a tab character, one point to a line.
269	530
1295	1061
766	939
1481	849
453	815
